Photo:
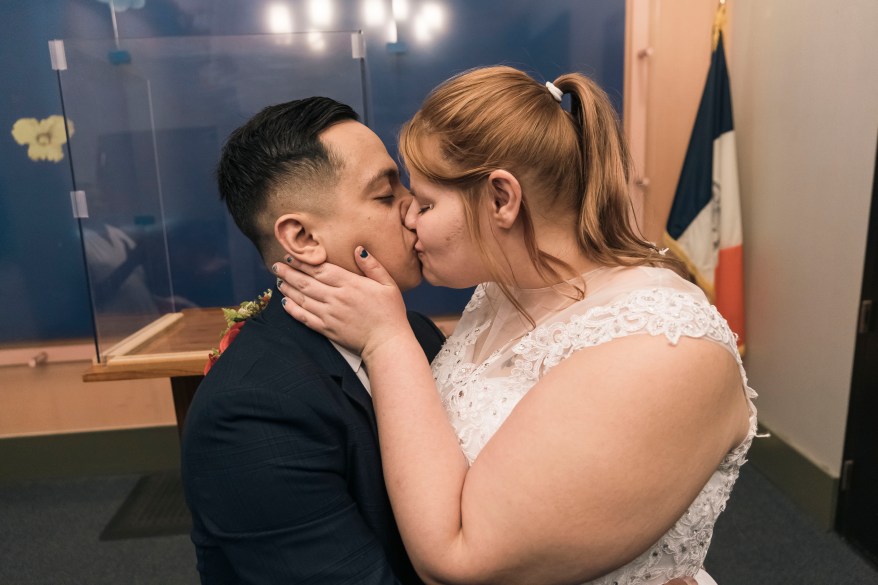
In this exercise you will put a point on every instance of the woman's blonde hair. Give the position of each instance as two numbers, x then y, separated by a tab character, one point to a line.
573	162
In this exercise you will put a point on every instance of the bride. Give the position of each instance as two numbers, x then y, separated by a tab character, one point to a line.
592	410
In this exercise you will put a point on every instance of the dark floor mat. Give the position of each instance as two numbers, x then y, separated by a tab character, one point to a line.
155	507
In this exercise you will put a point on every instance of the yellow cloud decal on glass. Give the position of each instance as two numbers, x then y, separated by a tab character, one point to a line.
44	138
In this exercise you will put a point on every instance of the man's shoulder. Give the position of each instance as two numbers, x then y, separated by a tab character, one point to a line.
263	357
259	386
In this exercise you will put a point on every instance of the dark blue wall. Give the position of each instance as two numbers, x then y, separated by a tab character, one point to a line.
42	276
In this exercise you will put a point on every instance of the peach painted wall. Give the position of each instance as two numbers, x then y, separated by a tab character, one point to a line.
668	85
53	399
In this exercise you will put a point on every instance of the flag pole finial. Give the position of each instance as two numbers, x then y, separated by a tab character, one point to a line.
719	21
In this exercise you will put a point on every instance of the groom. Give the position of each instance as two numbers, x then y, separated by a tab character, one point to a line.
280	457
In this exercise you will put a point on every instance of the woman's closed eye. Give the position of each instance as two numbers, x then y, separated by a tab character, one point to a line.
424	208
386	199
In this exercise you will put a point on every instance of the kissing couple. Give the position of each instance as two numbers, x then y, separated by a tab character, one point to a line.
584	423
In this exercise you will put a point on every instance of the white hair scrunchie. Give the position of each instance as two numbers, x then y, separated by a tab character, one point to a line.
556	93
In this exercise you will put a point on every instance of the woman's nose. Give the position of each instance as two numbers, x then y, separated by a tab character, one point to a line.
404	207
410	214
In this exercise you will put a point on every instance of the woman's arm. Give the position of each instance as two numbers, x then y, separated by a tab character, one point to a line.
595	463
426	485
424	467
585	474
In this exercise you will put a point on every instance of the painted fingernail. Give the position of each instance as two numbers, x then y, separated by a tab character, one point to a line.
274	268
363	253
289	259
279	282
283	301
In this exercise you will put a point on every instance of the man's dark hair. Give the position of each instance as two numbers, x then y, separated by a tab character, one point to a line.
279	146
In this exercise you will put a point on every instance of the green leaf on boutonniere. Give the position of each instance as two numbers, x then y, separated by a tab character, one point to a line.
242	312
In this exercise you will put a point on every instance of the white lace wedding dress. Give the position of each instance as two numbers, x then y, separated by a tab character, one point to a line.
493	358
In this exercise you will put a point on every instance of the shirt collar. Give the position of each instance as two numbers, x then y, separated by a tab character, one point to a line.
353	360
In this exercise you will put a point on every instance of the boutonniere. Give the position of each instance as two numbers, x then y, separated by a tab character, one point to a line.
235	319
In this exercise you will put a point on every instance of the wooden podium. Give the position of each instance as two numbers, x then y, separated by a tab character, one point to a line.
176	346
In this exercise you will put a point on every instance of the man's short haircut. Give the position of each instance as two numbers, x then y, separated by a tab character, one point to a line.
278	148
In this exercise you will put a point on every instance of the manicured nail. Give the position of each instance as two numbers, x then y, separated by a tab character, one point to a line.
283	301
289	259
363	253
279	282
274	268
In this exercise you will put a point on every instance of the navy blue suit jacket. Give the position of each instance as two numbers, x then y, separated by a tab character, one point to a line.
281	467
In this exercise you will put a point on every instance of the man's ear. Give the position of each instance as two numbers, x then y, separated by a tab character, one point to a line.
506	198
294	232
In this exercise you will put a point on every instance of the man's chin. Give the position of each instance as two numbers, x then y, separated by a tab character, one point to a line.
409	283
409	277
406	277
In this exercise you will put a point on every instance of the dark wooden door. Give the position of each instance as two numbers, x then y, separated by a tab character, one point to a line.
858	495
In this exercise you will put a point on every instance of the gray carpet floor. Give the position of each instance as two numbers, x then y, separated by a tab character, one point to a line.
49	533
764	539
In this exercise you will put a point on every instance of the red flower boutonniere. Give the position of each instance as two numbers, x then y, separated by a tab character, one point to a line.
235	319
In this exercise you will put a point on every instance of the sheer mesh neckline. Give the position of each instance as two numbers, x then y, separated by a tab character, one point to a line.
492	324
552	288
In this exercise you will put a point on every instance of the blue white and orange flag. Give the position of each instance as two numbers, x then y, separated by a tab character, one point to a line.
704	227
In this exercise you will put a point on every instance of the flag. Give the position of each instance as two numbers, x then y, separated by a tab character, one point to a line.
704	226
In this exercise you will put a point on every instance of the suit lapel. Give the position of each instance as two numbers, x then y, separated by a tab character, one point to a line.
353	388
324	354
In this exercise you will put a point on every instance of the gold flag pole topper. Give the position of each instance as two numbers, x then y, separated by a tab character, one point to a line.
719	22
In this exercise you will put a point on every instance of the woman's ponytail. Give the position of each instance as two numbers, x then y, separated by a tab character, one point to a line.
605	231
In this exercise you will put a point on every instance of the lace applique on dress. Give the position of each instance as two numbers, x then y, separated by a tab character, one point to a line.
467	396
448	365
656	312
478	397
682	549
476	300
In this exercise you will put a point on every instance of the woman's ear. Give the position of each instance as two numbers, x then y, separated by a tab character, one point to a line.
294	232
506	198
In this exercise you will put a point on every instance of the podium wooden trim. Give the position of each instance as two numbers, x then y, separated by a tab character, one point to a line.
174	346
177	346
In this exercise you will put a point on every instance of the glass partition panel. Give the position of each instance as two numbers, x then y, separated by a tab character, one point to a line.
148	120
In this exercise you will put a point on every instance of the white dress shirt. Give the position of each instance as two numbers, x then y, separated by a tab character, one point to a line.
356	364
